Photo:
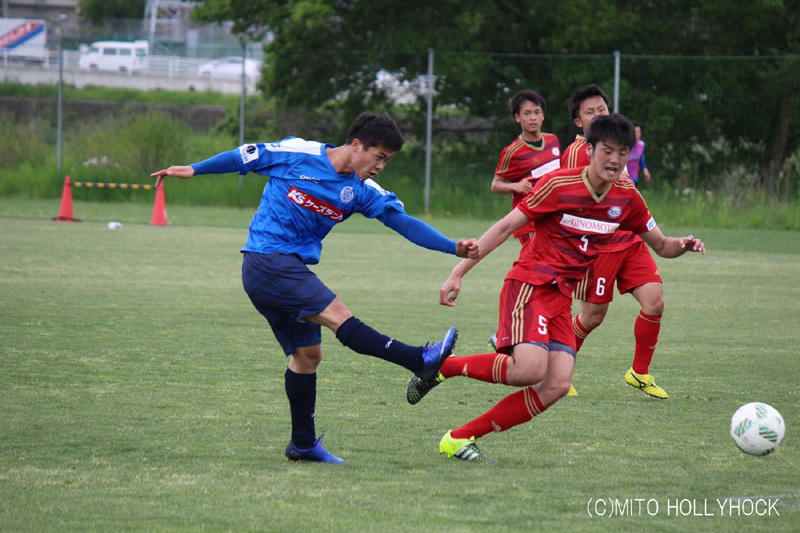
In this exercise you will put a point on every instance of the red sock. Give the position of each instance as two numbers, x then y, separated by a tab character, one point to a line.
514	409
580	332
646	333
488	367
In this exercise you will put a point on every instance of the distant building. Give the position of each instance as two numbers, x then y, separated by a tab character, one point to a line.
164	23
65	11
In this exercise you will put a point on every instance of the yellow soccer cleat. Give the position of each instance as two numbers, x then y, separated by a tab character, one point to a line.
492	343
572	391
464	449
645	383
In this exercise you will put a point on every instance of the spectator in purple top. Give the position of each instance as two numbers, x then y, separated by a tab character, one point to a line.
636	160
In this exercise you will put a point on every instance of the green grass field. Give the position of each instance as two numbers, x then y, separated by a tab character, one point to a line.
141	391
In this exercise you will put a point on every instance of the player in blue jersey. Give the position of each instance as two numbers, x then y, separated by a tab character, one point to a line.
312	187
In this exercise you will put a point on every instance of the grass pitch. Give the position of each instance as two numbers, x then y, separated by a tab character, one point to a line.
140	390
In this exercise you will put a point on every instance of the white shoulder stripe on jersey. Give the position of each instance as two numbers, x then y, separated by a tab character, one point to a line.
296	145
369	182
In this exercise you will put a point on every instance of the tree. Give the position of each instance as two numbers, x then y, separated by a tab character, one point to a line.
326	49
98	11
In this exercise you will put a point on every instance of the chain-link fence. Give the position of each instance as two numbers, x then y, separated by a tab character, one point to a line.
721	122
707	121
724	122
182	39
727	123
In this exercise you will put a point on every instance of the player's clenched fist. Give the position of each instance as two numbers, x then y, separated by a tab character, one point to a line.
468	248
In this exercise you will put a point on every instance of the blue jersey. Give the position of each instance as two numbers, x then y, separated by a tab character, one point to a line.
304	197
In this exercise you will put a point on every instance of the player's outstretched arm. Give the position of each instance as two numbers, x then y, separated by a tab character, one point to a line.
219	164
427	236
494	237
672	246
179	171
448	292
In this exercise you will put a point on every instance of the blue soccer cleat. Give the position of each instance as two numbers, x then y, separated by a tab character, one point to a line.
493	342
434	356
316	453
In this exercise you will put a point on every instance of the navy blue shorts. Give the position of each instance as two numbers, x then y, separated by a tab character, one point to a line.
285	291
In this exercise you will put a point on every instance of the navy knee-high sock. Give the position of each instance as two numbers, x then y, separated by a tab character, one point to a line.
301	389
361	338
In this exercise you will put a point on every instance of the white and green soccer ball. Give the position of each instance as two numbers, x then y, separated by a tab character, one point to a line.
757	428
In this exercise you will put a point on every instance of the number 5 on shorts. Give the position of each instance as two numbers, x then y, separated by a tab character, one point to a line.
542	325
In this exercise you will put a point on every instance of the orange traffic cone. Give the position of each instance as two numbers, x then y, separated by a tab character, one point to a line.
159	209
65	213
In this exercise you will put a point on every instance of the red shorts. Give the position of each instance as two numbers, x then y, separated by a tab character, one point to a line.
534	313
630	268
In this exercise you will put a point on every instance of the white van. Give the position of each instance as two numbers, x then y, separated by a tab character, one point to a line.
119	56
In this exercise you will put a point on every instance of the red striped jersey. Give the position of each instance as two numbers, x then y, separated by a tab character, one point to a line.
521	159
575	155
573	224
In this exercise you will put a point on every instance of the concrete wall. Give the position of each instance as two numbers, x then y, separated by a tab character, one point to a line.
199	117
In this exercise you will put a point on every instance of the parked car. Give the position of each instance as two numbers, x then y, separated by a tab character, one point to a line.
121	56
231	67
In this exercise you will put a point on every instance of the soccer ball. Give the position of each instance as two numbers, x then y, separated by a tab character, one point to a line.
757	428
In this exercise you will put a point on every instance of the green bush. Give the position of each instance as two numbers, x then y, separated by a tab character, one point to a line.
22	143
28	161
32	179
691	208
127	148
132	144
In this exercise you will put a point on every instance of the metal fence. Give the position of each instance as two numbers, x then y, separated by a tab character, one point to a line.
160	65
708	121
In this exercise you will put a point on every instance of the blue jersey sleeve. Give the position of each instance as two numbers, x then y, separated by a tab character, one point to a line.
275	159
417	231
374	201
218	164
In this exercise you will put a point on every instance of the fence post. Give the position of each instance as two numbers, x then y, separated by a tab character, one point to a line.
616	80
242	98
429	132
59	107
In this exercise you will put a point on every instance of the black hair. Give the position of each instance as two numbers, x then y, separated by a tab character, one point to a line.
376	130
584	93
526	95
613	127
